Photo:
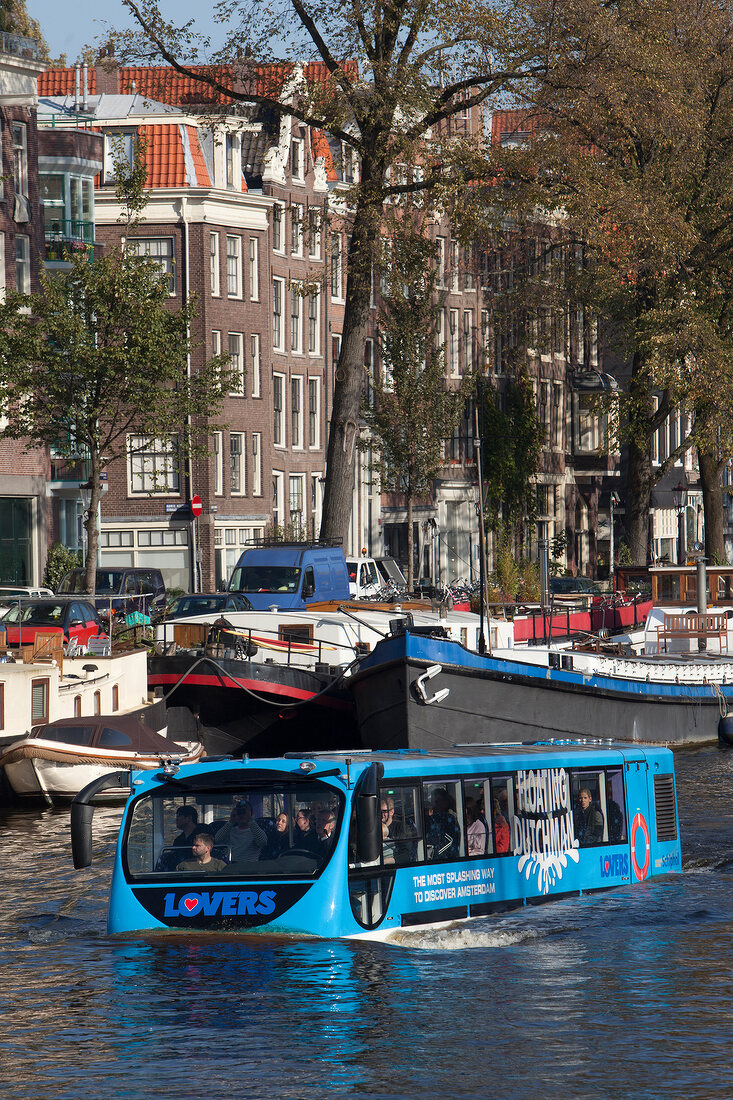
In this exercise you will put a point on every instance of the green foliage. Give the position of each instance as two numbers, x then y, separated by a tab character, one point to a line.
59	561
511	437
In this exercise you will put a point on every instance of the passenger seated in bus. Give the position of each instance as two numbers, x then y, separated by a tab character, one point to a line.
615	815
278	840
187	818
304	833
325	825
588	819
202	857
476	833
243	835
389	831
442	831
501	829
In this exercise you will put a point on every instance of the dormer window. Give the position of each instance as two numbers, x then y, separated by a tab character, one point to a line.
297	159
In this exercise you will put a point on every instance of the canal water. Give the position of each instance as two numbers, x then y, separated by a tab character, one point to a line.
628	993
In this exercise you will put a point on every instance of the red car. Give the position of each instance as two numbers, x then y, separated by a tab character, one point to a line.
76	618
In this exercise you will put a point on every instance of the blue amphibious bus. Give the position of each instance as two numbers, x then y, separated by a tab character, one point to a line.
362	843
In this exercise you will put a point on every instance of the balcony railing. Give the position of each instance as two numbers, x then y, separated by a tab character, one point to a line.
67	236
18	46
70	469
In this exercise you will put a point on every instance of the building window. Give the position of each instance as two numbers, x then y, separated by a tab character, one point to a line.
39	701
314	322
278	502
230	150
296	318
257	463
255	365
22	263
297	160
337	282
215	342
278	326
234	267
278	244
314	233
454	266
440	242
236	463
118	146
154	467
20	158
218	466
254	269
455	342
296	231
237	363
296	412
467	339
214	253
314	413
158	249
296	505
278	409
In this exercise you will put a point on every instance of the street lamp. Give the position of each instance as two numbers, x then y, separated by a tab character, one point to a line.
615	501
679	497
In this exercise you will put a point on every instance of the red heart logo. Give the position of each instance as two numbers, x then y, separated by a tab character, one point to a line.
607	866
190	903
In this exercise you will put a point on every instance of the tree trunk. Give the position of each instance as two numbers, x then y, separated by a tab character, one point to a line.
712	496
90	524
410	547
349	374
638	497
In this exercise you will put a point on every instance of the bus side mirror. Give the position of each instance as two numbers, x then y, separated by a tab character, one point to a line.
82	813
368	818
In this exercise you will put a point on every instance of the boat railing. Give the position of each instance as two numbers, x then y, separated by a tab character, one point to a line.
610	614
287	647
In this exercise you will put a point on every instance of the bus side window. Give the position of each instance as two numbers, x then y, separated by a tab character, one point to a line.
615	805
502	813
401	844
589	819
443	815
477	830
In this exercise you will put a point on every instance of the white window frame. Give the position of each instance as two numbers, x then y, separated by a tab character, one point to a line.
337	268
297	214
155	468
278	313
454	338
296	412
297	516
216	341
278	228
278	498
278	410
297	160
23	263
440	277
314	232
234	266
161	250
255	363
218	465
314	413
296	319
257	464
236	355
215	272
237	450
314	321
254	269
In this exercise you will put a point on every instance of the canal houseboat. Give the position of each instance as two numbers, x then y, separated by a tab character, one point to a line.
369	844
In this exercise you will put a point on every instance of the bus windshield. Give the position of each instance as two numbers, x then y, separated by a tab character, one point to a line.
271	830
265	578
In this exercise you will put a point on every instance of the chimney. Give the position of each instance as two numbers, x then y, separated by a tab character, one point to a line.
108	72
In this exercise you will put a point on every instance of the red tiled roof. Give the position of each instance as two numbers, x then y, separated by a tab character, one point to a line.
166	159
511	122
162	83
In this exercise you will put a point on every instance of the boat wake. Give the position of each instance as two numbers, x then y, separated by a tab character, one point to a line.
462	937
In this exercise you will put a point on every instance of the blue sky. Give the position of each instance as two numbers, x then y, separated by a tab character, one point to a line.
69	27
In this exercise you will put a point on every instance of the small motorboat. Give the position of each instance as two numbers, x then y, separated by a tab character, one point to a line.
55	761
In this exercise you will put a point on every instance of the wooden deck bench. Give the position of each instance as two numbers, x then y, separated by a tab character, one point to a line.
693	628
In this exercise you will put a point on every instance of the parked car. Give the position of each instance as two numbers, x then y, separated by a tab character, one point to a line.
76	618
11	593
119	589
206	603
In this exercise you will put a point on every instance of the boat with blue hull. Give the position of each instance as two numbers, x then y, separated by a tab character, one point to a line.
425	692
365	844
